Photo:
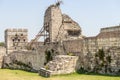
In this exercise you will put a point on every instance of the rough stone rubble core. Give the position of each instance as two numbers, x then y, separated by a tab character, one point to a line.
61	64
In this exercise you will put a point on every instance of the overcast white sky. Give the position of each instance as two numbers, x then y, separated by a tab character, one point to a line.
90	14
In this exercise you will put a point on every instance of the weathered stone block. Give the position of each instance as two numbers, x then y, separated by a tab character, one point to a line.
61	64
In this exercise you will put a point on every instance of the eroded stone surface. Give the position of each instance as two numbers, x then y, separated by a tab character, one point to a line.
2	53
61	64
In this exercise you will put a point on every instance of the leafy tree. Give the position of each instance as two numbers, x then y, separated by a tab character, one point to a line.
2	44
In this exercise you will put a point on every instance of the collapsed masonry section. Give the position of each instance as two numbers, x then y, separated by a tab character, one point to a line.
59	27
61	64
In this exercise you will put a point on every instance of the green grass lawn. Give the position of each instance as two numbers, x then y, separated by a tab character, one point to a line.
6	74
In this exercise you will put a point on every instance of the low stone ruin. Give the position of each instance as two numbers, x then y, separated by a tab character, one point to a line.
61	64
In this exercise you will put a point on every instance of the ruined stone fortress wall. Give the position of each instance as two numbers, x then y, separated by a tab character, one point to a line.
2	53
109	37
15	39
73	46
89	45
65	37
35	59
25	60
63	28
110	29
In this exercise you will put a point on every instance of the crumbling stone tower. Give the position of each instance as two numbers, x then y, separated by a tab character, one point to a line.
15	39
52	22
60	26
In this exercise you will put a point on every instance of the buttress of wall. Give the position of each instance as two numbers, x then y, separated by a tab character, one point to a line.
53	18
15	39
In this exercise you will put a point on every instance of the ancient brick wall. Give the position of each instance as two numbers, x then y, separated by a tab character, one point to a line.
109	37
25	60
2	53
73	46
89	45
66	38
115	60
110	29
15	39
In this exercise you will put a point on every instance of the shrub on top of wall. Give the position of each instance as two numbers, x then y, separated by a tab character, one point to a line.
70	54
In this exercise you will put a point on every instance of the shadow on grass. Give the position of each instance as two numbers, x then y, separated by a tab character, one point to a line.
75	73
98	74
13	69
85	72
